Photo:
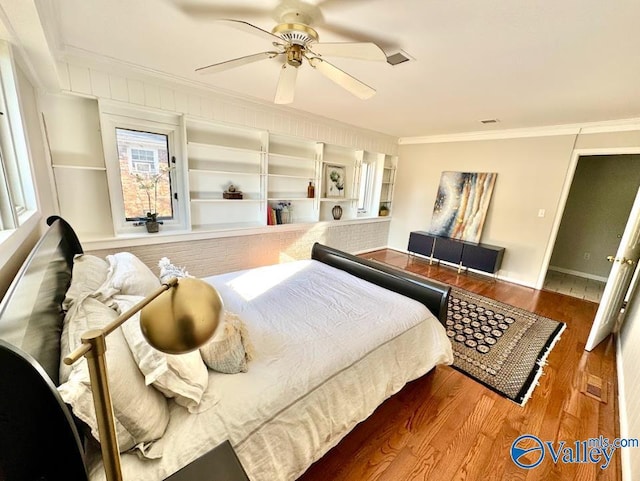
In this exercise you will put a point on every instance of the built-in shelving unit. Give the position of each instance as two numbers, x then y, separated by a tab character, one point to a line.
347	164
386	186
220	156
291	165
271	171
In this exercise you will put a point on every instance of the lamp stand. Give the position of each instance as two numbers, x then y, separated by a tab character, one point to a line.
102	403
175	324
93	348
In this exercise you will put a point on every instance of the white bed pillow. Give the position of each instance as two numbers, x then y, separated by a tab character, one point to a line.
183	377
127	275
88	275
229	350
141	413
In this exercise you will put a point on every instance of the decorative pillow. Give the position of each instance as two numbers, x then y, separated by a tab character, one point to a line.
183	377
141	413
168	270
89	273
229	350
85	314
127	275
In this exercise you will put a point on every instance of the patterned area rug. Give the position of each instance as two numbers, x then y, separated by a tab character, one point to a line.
499	345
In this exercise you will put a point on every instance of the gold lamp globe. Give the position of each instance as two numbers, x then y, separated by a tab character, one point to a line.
182	319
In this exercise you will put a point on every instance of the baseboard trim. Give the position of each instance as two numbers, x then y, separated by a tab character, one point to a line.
562	270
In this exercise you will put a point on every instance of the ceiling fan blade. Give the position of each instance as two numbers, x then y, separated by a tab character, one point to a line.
196	9
286	84
357	50
236	62
252	29
343	79
327	3
360	36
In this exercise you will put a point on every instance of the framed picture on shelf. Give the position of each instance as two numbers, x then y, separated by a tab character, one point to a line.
334	180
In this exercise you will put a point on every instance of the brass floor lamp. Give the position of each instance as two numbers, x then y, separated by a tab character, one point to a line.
178	317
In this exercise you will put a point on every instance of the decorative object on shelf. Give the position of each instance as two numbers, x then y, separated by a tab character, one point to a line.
336	212
334	178
152	223
148	183
232	192
311	190
280	213
383	211
461	204
175	323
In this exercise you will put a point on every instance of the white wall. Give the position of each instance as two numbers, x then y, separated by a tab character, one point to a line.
602	193
531	173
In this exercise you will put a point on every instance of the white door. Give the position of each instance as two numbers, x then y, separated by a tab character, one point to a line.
624	265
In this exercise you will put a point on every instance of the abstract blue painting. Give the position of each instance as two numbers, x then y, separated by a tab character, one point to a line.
461	205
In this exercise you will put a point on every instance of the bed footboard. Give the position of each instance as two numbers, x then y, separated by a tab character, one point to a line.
433	294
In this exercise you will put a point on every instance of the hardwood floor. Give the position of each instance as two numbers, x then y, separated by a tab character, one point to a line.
445	426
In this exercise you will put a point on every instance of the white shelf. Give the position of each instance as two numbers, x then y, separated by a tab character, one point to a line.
291	157
286	176
337	199
235	201
225	172
288	197
79	167
202	145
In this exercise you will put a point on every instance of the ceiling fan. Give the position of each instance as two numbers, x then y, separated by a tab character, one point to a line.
294	41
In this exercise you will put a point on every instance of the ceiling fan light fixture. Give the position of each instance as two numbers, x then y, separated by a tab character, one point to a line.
294	55
295	33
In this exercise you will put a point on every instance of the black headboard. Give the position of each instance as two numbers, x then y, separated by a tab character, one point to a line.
433	294
38	437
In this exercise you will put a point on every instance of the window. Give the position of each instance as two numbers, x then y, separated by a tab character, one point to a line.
144	161
142	154
17	193
366	181
144	173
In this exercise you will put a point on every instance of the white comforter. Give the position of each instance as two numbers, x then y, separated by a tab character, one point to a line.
329	348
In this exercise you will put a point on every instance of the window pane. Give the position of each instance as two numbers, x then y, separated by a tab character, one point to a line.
144	173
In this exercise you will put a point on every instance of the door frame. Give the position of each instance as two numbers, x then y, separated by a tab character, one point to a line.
564	195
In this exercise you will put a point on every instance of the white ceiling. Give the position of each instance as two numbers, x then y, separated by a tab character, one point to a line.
526	62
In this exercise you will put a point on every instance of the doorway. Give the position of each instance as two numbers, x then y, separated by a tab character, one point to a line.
597	207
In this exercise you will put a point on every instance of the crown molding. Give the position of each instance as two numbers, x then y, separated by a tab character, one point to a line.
622	125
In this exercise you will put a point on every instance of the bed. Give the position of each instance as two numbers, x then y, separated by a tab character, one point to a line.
314	375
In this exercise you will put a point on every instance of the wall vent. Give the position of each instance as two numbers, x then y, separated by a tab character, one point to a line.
399	57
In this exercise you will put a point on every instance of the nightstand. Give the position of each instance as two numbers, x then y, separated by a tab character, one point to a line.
219	464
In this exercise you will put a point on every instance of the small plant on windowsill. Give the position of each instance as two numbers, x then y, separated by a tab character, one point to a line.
148	183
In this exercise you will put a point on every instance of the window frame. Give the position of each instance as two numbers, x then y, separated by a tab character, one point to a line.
367	198
115	116
18	200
